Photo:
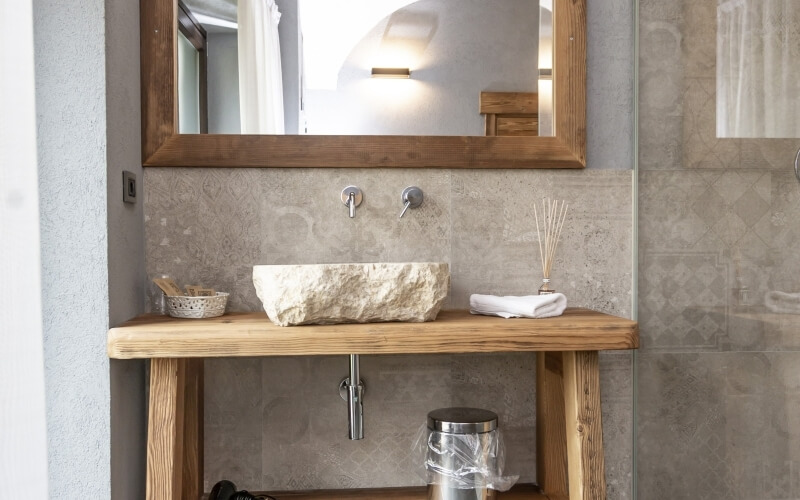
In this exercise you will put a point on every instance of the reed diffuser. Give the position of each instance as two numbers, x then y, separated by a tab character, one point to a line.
553	215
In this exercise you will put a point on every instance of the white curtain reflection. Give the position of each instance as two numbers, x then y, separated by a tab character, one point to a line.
260	81
758	68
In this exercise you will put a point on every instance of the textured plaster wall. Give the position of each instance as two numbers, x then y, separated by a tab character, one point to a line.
70	102
279	423
718	377
92	246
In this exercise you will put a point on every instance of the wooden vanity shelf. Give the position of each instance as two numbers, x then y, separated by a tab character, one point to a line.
569	460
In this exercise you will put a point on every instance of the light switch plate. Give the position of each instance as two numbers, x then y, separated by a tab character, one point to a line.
128	187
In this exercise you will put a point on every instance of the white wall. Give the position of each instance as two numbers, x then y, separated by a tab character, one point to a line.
87	91
23	451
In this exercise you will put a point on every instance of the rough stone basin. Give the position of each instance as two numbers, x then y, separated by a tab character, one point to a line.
352	293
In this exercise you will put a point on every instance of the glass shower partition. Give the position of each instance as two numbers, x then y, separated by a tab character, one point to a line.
718	372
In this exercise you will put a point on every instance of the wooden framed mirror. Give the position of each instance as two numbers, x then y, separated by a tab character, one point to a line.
163	146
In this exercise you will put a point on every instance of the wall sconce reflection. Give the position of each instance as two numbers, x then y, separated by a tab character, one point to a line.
391	73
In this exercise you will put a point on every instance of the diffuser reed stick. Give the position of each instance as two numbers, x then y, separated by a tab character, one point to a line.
553	215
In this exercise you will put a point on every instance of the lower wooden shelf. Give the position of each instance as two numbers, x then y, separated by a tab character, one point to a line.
518	492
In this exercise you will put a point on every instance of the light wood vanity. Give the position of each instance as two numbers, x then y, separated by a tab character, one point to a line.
569	453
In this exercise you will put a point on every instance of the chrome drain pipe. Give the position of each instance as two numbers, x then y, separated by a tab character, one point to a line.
351	389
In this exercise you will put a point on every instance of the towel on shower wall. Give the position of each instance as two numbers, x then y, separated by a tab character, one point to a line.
782	302
529	306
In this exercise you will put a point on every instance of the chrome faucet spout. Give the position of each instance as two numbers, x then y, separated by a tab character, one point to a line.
352	204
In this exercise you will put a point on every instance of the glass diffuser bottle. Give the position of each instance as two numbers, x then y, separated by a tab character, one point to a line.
545	288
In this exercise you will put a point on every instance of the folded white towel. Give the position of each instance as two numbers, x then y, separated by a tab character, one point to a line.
529	306
782	302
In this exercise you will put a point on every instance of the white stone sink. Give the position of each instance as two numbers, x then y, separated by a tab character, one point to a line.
352	293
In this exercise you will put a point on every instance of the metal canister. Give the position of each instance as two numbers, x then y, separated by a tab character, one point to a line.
461	454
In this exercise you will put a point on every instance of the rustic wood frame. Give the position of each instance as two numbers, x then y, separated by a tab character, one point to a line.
162	146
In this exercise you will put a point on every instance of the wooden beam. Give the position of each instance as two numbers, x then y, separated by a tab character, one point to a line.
221	150
165	431
508	102
158	45
551	440
517	126
193	430
569	75
584	426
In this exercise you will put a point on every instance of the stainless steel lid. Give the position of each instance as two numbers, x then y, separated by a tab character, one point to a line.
462	420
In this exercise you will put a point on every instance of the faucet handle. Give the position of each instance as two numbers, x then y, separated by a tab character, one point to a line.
351	197
412	198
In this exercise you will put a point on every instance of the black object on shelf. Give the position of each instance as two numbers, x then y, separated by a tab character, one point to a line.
226	490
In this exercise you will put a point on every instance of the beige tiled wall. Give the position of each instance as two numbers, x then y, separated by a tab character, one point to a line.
279	423
718	397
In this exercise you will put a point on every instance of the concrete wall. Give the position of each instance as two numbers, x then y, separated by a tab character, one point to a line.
87	105
279	423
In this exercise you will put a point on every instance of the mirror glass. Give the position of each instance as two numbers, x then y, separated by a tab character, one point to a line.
305	66
188	86
758	68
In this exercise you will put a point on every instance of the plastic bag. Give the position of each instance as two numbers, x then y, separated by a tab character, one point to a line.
465	461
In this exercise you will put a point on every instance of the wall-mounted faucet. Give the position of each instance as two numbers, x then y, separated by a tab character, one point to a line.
351	197
412	198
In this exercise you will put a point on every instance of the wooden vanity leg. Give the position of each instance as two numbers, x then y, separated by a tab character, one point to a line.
165	429
584	426
193	431
551	440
